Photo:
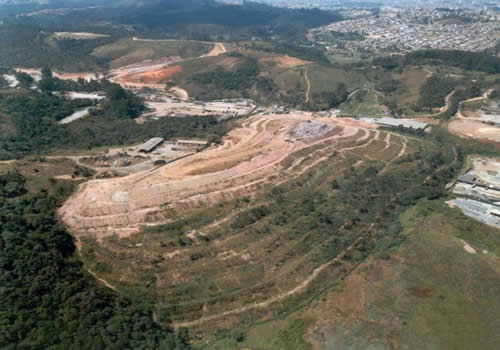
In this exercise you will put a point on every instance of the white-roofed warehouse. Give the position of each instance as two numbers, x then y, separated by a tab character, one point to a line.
150	144
405	123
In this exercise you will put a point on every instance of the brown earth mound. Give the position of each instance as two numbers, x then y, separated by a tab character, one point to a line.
155	76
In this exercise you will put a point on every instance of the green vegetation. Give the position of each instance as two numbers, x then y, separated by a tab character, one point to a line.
327	100
242	79
472	61
3	82
364	103
120	103
27	46
434	91
48	301
127	51
377	213
273	335
347	36
25	80
29	124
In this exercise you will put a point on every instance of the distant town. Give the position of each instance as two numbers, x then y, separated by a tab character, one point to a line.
404	30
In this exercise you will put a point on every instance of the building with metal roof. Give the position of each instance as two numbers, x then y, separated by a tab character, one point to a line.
150	144
404	123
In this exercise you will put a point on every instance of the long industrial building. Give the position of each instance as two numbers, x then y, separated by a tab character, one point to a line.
151	144
404	123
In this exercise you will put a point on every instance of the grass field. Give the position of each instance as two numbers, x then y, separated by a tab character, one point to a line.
128	51
58	177
328	78
365	103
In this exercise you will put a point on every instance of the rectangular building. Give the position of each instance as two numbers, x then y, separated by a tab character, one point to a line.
403	123
150	144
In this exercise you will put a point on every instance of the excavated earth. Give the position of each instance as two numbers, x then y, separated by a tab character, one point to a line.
250	156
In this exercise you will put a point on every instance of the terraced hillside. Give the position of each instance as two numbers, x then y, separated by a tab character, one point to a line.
258	225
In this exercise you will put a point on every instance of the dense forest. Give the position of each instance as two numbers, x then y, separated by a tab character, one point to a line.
48	301
433	92
243	78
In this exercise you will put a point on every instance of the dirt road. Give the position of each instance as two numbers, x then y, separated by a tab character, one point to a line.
308	86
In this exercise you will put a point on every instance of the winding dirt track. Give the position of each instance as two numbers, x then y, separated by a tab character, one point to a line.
308	85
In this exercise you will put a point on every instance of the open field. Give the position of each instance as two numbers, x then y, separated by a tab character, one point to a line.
407	298
412	80
129	51
365	102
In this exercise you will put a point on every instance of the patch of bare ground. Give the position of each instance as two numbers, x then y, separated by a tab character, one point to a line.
147	73
154	76
286	61
217	50
475	129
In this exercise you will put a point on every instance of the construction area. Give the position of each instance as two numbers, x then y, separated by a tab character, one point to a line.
165	104
490	113
480	185
481	123
249	157
123	161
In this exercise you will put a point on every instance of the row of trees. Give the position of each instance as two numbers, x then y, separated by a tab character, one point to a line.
473	61
330	99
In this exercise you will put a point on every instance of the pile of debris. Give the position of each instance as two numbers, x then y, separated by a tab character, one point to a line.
311	130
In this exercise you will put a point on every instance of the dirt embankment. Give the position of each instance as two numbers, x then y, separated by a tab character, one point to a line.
217	50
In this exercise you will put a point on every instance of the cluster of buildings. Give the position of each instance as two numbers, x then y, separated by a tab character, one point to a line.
398	30
355	5
490	114
161	105
479	191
